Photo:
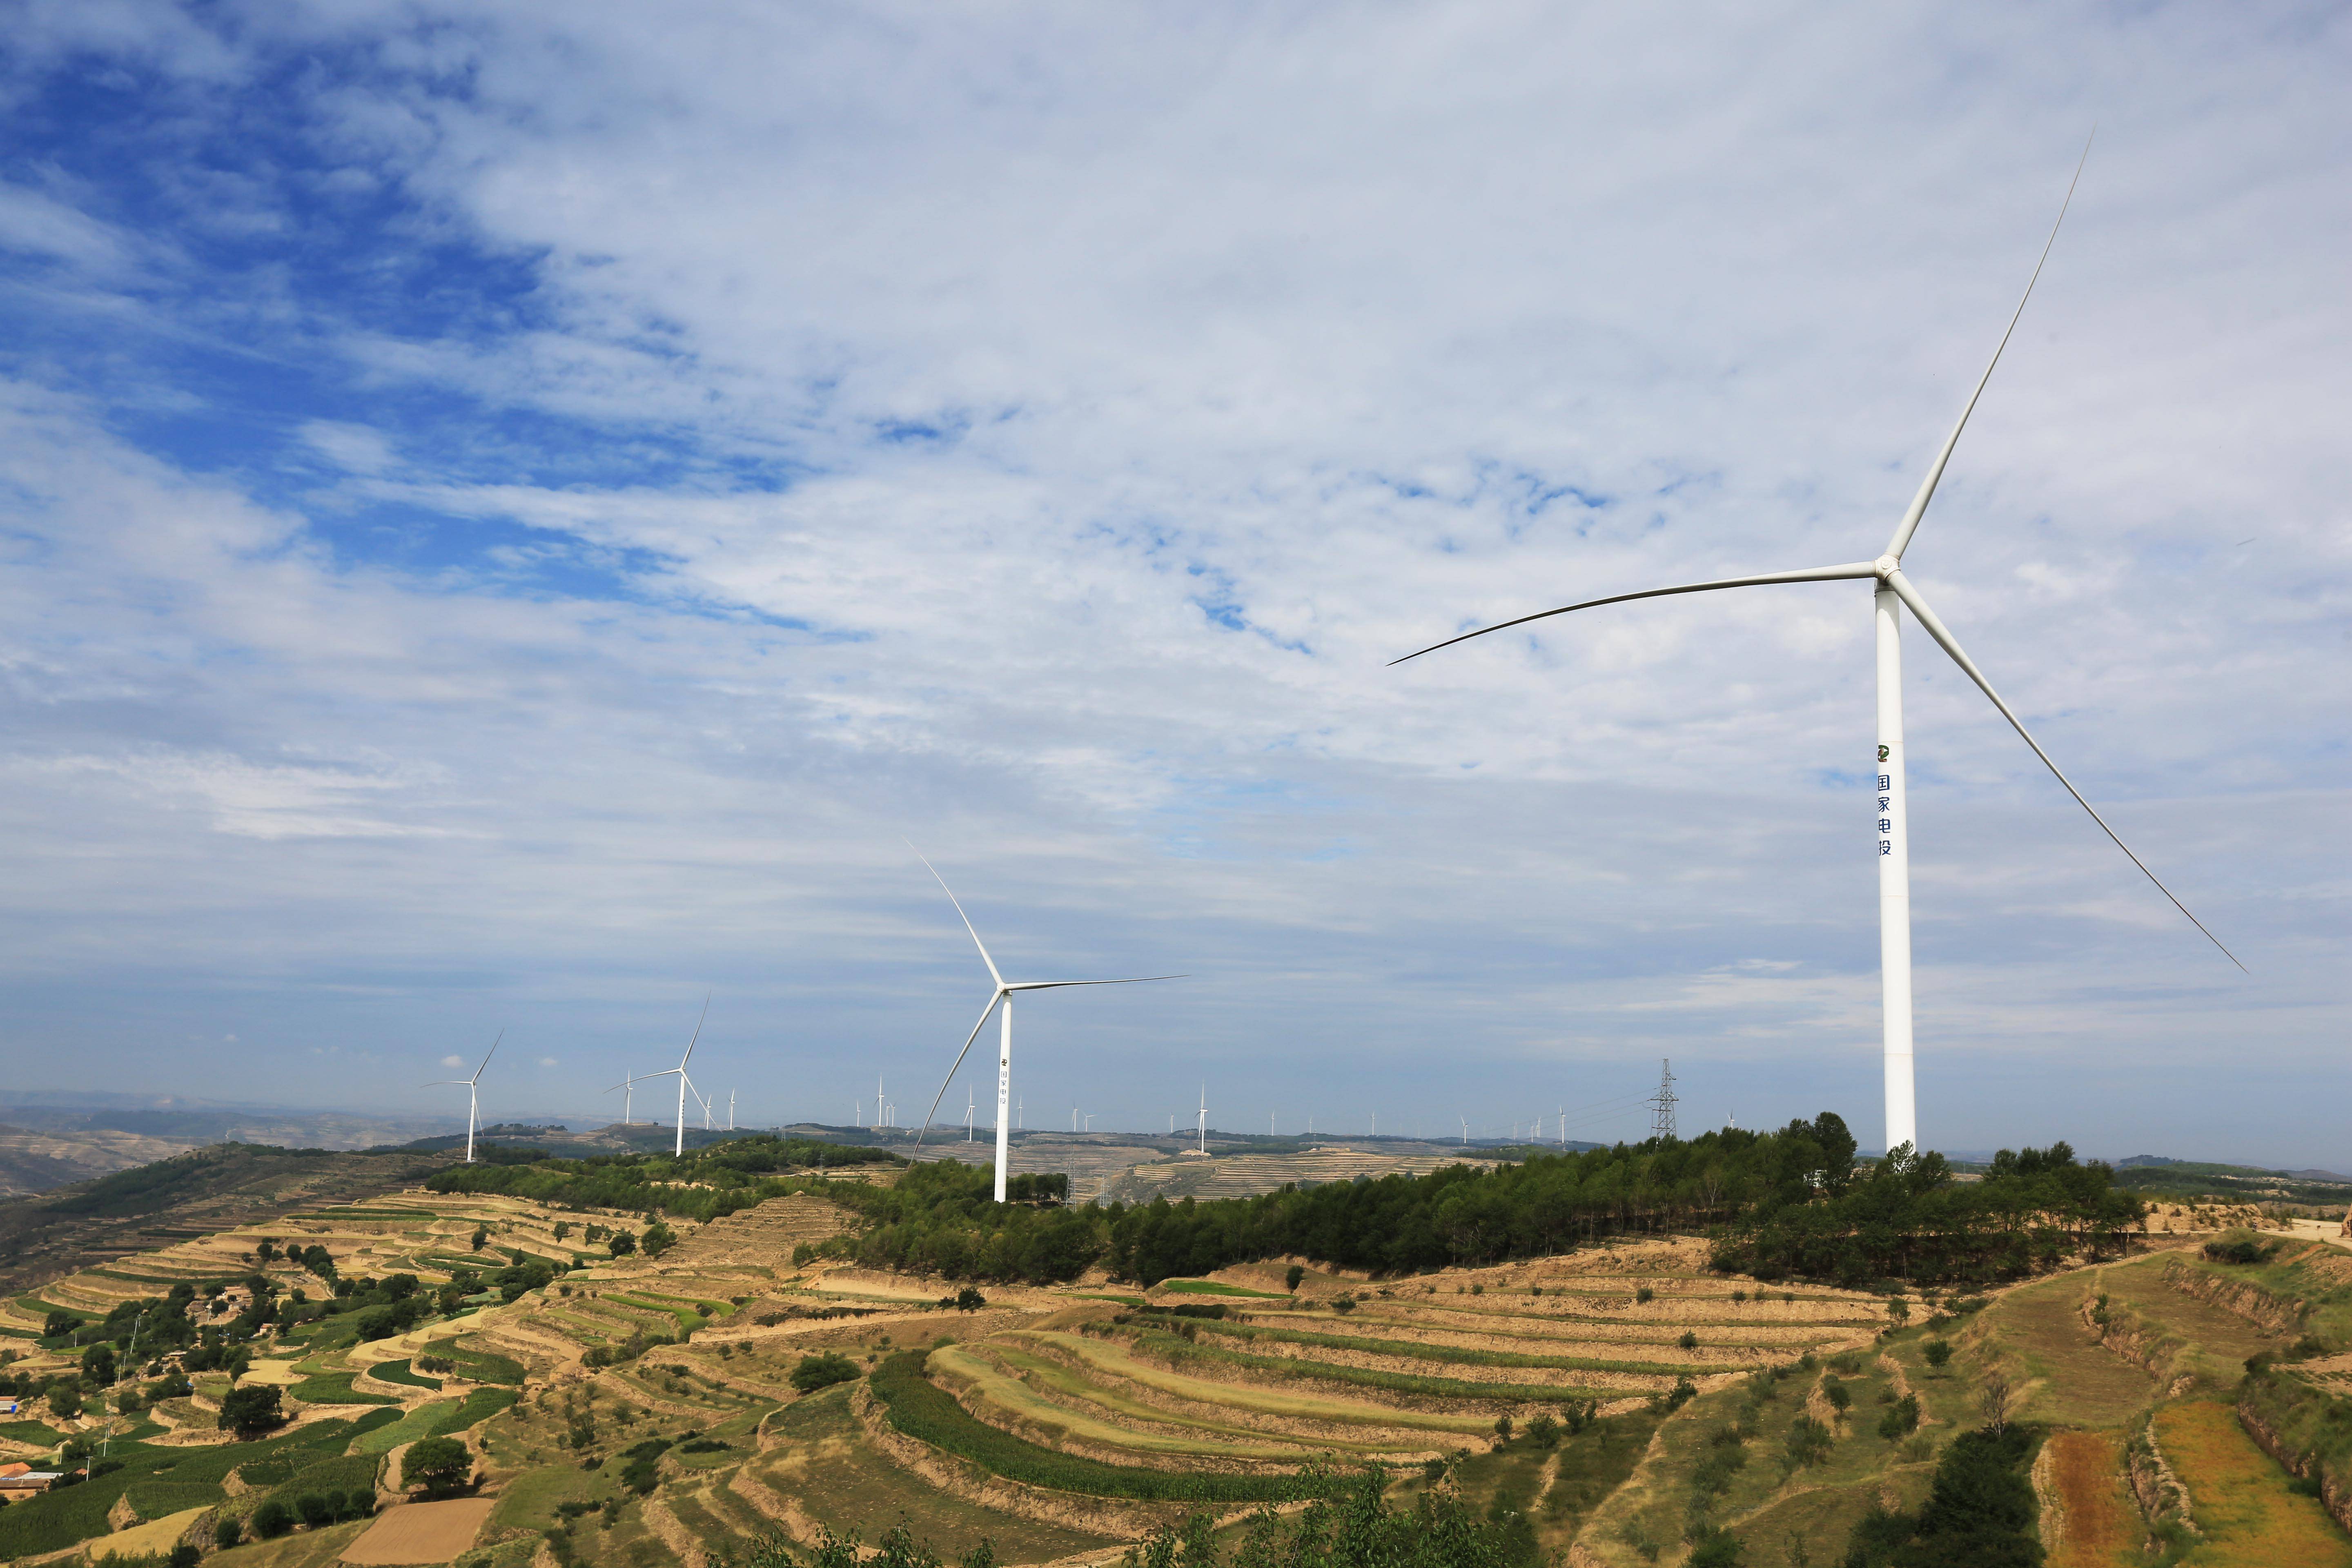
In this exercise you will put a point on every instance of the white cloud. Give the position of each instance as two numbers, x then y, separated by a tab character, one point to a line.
453	1062
1055	423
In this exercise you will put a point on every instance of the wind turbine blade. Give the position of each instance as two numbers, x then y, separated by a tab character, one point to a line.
943	882
968	1039
1901	542
1057	985
698	1034
486	1058
1814	574
1944	639
445	1083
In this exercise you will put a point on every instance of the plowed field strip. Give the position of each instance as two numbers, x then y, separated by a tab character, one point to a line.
1061	1380
1017	1396
1408	1349
1379	1377
1111	1360
2101	1529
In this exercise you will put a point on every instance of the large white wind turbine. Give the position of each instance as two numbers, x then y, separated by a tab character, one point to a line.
473	1097
1893	591
680	1071
1000	998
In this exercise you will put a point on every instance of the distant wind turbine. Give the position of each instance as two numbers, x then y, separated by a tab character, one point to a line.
1893	591
1002	997
628	1098
1204	1116
473	1097
679	1070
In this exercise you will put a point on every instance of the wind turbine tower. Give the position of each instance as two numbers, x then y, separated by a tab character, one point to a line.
473	1097
1891	594
999	1001
679	1151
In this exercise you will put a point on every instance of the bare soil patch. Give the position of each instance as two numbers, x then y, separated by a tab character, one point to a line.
422	1531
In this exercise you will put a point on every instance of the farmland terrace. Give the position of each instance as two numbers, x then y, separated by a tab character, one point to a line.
1604	1406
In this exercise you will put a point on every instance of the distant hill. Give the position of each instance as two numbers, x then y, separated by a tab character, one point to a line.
185	1194
2153	1174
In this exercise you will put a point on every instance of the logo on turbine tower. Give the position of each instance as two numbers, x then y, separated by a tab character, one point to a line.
1882	754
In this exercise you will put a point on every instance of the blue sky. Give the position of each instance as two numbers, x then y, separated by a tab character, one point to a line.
514	513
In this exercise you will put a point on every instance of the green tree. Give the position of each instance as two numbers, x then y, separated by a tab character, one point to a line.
438	1465
658	1238
1938	1351
316	1510
622	1244
251	1410
481	1235
822	1371
1292	1276
1902	1418
272	1519
226	1532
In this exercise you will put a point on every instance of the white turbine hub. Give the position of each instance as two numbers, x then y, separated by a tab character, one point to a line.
1886	566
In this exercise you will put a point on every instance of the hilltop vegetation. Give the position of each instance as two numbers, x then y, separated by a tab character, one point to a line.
703	1186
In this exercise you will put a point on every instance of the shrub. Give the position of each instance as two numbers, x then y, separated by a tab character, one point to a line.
1291	1277
1689	1341
1643	1296
822	1371
315	1510
1713	1547
1839	1395
226	1532
1902	1418
1543	1431
1810	1443
272	1519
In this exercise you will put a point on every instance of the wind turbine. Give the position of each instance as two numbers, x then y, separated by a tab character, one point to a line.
679	1152
730	1110
628	1098
1891	591
970	1107
473	1097
1000	998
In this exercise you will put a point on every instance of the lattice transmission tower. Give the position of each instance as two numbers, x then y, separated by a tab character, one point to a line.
1661	1104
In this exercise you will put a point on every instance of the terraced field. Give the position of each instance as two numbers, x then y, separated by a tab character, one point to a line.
1610	1402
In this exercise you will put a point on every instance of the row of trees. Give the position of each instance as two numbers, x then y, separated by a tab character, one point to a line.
1779	1203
